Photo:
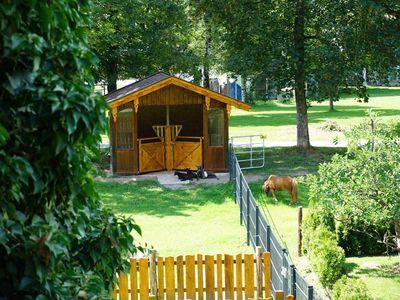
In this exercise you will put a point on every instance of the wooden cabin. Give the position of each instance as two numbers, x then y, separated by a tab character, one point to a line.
166	123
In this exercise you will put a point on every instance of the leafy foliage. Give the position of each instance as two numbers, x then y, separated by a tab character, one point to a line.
326	42
56	239
138	37
350	289
359	191
326	257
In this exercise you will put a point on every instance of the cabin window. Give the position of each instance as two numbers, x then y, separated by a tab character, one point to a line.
124	129
216	127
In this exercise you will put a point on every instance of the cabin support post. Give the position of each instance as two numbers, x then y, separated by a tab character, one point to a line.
168	149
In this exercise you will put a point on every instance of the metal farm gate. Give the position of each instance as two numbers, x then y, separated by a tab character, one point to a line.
249	150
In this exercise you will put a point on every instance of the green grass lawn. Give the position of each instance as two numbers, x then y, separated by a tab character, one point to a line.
381	275
278	120
292	160
174	222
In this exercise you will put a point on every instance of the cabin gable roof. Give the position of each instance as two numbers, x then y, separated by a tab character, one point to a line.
160	80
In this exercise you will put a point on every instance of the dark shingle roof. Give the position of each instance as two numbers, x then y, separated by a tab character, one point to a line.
136	86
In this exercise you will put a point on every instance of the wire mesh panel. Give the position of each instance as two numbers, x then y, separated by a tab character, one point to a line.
301	287
284	275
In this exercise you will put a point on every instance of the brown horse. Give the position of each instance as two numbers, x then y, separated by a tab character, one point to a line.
279	183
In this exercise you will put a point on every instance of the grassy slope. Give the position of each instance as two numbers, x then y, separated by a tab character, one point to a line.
278	120
174	222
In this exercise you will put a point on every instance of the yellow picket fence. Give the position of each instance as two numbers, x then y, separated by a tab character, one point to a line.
243	276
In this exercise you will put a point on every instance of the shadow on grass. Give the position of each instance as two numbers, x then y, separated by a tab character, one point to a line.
150	198
385	271
374	92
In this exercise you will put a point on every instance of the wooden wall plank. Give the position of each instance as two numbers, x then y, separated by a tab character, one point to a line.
210	282
249	275
160	278
170	278
239	282
179	277
267	274
133	279
144	278
229	277
200	277
123	286
190	277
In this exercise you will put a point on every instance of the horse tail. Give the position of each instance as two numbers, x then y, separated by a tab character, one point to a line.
294	190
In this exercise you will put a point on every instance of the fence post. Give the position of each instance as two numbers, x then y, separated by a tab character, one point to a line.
241	210
310	293
293	274
153	273
268	238
257	226
234	179
300	234
241	185
248	216
230	153
284	272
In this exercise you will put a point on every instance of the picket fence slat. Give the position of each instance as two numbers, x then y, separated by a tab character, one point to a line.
279	295
210	283
200	276
160	278
216	277
249	275
170	277
229	284
239	285
190	277
144	278
267	274
133	279
179	277
219	276
123	283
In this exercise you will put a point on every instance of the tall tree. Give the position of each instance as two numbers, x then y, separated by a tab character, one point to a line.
137	37
205	37
56	239
280	39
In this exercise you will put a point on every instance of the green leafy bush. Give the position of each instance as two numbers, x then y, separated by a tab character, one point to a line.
326	257
357	195
350	289
56	239
316	217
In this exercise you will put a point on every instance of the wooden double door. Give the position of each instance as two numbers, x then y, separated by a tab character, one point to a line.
165	153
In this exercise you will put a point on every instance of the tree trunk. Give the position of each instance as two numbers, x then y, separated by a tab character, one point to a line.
397	231
206	66
303	138
112	76
331	109
244	88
